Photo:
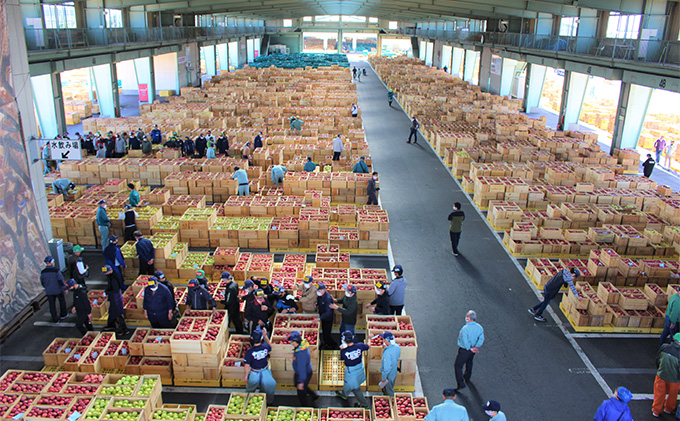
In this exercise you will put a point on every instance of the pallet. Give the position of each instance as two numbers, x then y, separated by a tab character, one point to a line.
233	383
608	328
18	320
198	383
52	369
397	388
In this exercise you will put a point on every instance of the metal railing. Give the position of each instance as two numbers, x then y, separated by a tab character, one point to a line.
635	50
63	39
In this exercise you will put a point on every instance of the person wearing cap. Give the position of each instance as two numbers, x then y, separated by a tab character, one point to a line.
222	144
200	277
210	152
129	217
81	306
613	409
667	380
552	288
188	147
79	270
259	311
389	363
114	258
672	317
133	199
163	280
120	146
114	292
264	285
302	368
397	291
278	174
256	362
360	167
156	135
390	97
348	310
287	304
201	144
158	304
241	177
231	302
307	295
470	338
493	409
257	141
338	147
147	147
351	353
326	314
103	223
53	283
372	190
381	304
198	297
456	226
210	138
146	253
448	410
295	124
62	186
310	166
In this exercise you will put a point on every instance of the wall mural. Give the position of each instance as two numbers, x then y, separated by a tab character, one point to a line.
22	243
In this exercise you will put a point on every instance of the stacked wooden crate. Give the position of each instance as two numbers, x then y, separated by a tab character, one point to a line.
282	351
402	329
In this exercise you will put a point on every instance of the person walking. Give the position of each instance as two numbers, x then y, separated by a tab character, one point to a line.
389	363
456	226
79	270
114	293
114	257
129	217
81	306
156	135
278	174
351	353
354	72
146	254
671	147
615	408
310	166
672	317
103	223
372	190
390	97
659	146
241	177
231	302
53	283
158	304
381	304
337	147
493	409
326	314
470	338
302	368
414	131
198	297
134	198
256	363
257	141
552	288
648	166
397	291
448	410
667	380
62	186
360	167
307	295
349	309
355	110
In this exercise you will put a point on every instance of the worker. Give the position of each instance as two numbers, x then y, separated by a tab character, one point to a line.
257	142
200	277
354	110
241	177
201	145
158	304
245	151
53	282
231	302
188	147
129	217
62	186
360	167
667	379
648	166
389	364
390	97
470	338
372	190
103	223
259	311
222	144
156	135
287	304
46	156
672	317
163	280
198	297
337	147
256	362
552	289
414	131
310	166
397	290
295	124
351	354
302	368
133	199
120	146
147	147
114	257
307	295
381	304
448	410
79	270
210	153
613	409
135	142
348	310
81	306
278	173
114	293
210	139
146	253
326	314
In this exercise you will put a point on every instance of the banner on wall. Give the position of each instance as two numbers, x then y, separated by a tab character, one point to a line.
143	92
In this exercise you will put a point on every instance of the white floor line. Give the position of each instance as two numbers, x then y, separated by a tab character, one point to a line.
614	336
643	397
572	341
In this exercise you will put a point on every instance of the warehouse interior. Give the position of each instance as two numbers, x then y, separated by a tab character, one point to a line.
532	114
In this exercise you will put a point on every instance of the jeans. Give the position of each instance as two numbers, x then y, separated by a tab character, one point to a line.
51	299
344	327
326	330
667	330
396	309
104	231
414	134
658	155
464	358
244	190
455	238
540	307
265	381
388	390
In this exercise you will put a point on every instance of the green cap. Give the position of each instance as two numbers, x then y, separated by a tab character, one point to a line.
77	248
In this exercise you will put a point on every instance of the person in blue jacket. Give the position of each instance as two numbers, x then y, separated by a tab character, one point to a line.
158	304
360	167
351	354
323	304
103	222
241	177
62	186
114	258
146	253
615	408
53	282
493	409
448	410
310	166
256	361
389	363
278	174
156	136
302	366
210	153
198	297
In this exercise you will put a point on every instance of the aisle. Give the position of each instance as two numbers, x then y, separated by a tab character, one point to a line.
524	365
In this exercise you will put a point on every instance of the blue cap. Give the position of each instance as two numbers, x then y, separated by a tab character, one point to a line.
49	259
387	335
320	285
295	336
193	283
248	284
449	391
348	336
113	239
152	281
159	274
493	406
71	282
226	275
398	269
576	272
308	279
351	288
624	394
257	334
101	202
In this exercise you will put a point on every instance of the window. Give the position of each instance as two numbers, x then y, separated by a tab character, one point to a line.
59	15
372	20
568	26
623	26
328	18
307	19
287	23
354	19
114	18
393	24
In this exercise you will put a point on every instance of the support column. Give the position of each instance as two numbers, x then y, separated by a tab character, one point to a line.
533	86
507	75
106	86
58	99
437	60
485	69
469	67
209	57
573	92
354	43
44	105
457	60
242	53
630	115
223	56
145	75
447	52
